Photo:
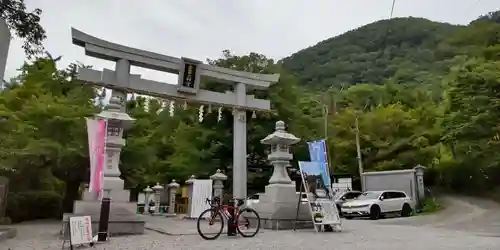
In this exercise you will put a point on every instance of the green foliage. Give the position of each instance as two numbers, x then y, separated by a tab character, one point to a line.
32	205
430	205
402	48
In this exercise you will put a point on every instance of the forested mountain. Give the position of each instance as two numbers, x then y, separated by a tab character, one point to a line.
423	92
400	48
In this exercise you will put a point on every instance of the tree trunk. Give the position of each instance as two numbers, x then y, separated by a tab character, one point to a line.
70	195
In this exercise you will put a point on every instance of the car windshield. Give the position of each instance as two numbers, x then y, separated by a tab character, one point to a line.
369	196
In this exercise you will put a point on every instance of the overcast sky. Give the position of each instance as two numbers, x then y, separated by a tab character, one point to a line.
201	29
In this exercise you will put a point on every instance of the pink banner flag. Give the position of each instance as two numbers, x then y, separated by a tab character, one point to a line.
96	130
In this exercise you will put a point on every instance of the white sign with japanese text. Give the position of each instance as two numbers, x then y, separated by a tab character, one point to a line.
80	230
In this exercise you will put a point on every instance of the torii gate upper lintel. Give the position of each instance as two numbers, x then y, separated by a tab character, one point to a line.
190	72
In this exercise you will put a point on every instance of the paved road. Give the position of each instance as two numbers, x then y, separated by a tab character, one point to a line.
468	214
461	226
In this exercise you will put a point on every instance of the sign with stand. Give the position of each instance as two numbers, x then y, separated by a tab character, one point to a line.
321	206
316	182
80	231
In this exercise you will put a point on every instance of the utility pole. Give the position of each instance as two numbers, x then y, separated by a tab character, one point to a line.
325	106
358	148
360	160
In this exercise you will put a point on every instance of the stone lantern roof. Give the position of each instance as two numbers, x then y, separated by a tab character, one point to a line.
148	190
112	111
173	184
157	187
191	179
218	176
280	136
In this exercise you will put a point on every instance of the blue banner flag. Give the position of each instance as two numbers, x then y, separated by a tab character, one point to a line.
317	153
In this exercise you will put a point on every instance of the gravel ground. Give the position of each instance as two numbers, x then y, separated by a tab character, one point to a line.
357	234
466	223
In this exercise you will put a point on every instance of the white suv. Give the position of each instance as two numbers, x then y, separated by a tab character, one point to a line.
374	204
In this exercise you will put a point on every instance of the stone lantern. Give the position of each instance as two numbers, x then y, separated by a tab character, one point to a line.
147	192
172	190
157	193
117	121
277	207
280	156
218	184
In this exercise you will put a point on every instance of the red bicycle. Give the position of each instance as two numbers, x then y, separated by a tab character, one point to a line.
247	219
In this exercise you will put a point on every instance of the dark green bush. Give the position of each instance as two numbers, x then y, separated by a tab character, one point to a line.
430	205
32	205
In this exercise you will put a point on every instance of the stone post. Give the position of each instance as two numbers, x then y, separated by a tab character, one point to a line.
419	178
189	182
172	191
4	190
218	186
147	193
4	48
157	193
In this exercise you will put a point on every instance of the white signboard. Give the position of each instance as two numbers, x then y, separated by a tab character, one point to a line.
80	230
202	189
322	208
328	211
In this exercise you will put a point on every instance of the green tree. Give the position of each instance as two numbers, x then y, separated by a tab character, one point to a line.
25	24
44	113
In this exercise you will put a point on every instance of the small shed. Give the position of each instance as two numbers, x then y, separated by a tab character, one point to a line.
411	181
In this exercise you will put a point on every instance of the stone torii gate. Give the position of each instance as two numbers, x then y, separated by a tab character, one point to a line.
188	88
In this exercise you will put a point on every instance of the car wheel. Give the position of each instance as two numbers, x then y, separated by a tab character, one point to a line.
375	212
406	210
339	209
348	217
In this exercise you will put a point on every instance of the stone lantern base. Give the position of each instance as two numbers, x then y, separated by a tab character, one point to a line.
277	208
122	216
122	221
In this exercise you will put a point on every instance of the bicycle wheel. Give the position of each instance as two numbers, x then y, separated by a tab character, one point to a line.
248	222
210	224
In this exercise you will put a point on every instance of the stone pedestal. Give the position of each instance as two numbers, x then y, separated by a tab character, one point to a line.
122	220
277	207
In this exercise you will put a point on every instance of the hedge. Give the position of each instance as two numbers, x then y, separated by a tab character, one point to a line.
32	205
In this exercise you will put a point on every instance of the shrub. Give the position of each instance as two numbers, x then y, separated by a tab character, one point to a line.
430	205
32	205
